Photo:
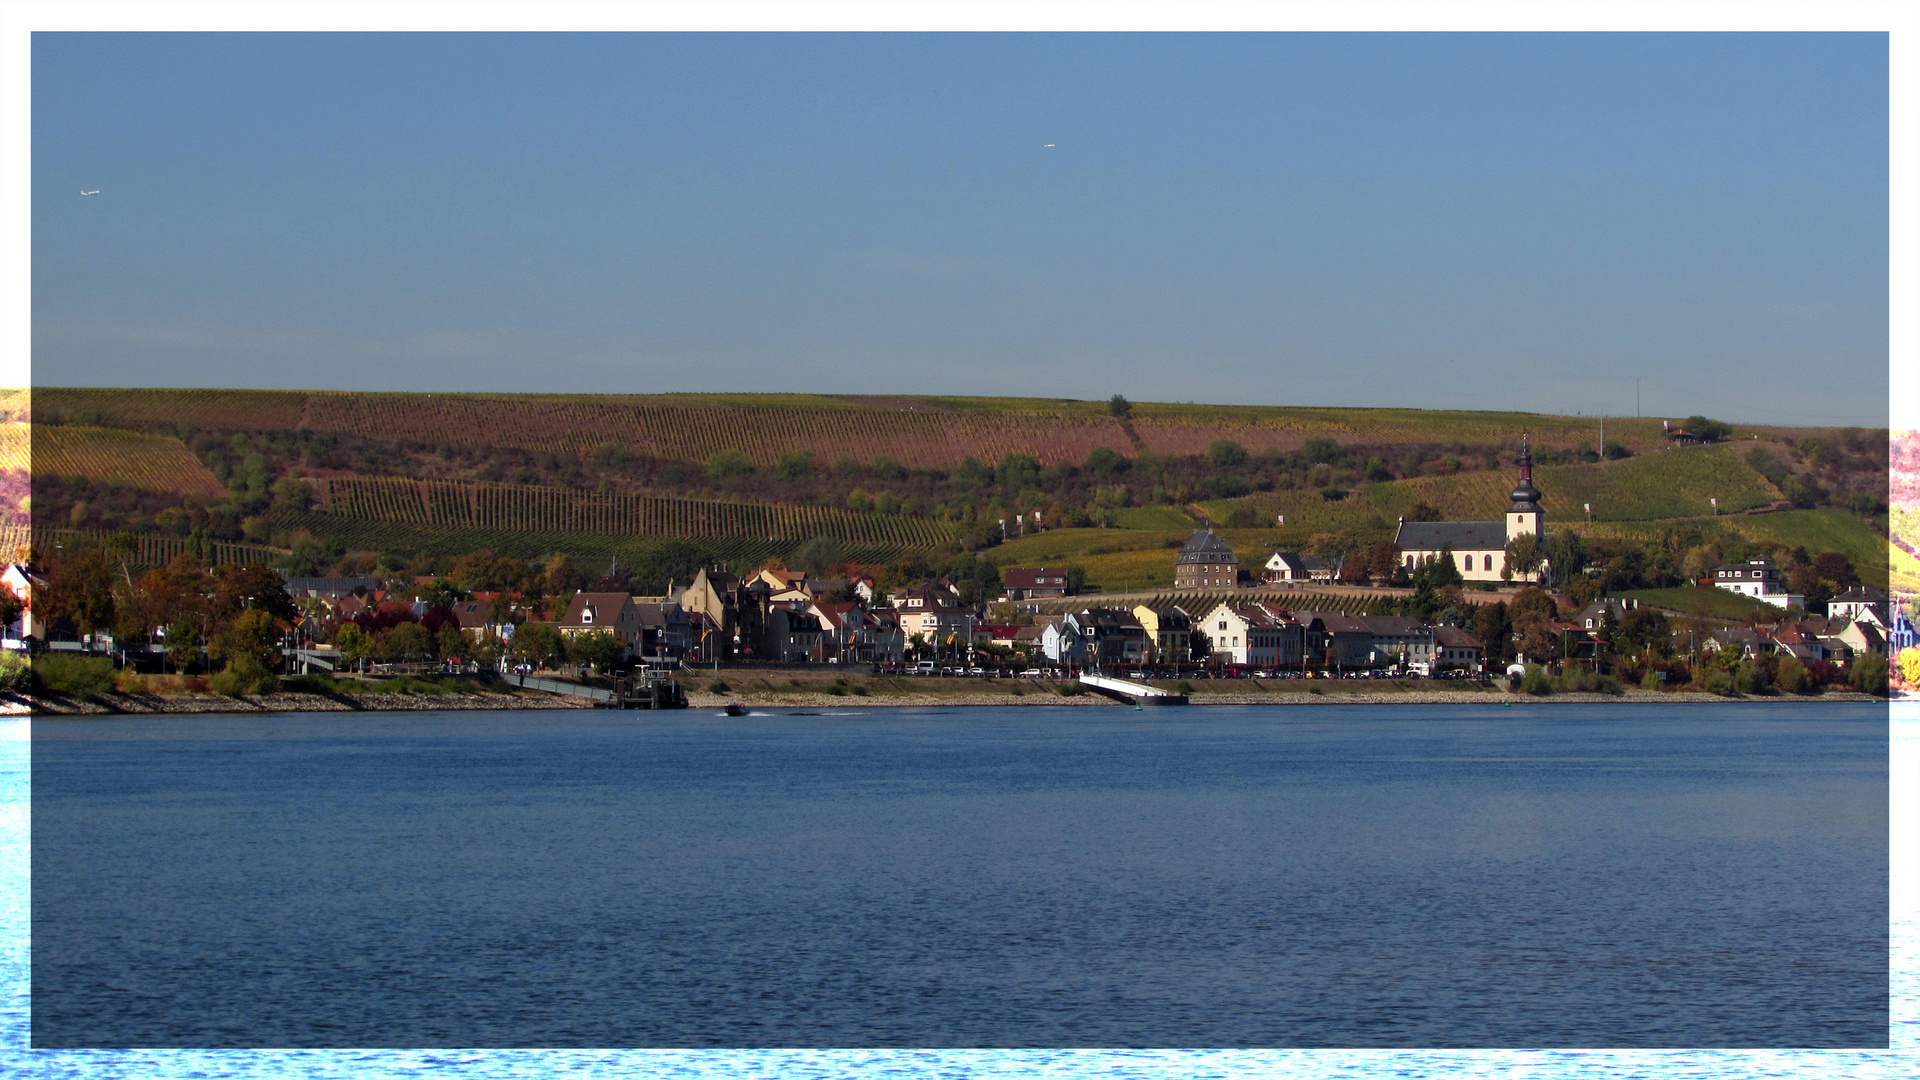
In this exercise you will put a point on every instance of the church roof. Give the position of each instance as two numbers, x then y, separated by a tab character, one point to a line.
1462	535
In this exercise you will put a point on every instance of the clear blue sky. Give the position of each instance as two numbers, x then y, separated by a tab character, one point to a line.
1464	221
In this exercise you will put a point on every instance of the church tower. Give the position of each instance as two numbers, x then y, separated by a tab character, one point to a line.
1525	516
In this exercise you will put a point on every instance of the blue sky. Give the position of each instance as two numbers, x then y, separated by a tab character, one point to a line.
1461	221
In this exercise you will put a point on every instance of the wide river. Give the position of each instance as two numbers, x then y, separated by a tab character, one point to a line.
1329	876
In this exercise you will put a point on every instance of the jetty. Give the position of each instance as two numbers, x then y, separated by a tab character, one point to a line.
1127	690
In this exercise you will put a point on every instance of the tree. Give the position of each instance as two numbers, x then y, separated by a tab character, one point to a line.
1321	451
1533	613
80	587
1910	666
451	642
1707	431
1494	632
1645	628
1523	557
250	637
353	644
1226	454
1423	511
10	605
1384	562
1834	567
1104	462
819	556
1120	407
183	644
1438	572
728	465
794	465
598	648
407	641
1869	674
1199	646
537	643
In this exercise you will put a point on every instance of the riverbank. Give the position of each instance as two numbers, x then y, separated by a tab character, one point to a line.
815	699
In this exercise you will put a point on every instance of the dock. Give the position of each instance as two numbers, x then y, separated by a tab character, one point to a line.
1130	691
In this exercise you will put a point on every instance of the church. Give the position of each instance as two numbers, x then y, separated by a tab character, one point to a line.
1479	547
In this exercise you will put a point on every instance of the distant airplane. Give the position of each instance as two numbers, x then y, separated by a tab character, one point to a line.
95	191
1044	147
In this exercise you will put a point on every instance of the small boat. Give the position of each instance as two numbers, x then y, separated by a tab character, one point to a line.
734	708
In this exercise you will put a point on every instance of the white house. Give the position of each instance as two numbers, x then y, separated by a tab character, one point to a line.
1259	635
1756	578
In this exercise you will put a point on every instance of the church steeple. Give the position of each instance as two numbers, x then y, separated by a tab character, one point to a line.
1525	515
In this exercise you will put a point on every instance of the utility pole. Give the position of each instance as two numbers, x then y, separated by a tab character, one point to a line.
1636	397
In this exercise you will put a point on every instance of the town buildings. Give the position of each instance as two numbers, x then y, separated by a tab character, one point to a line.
1756	578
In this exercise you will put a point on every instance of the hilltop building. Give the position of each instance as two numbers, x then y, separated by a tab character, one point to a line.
1756	578
1206	562
1479	547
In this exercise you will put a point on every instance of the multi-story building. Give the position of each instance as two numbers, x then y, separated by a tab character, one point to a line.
1206	562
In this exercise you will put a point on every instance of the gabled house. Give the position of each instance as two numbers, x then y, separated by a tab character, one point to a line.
1861	604
1399	640
1109	636
1169	633
1260	635
1338	642
793	636
612	612
1456	650
1026	583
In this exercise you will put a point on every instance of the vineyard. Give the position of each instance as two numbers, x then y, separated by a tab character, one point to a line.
586	549
16	448
917	432
1671	484
506	507
1179	430
142	551
110	456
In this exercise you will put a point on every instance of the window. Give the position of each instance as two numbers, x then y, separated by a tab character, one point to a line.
1489	564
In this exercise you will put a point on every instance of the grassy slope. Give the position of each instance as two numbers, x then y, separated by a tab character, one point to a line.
1719	603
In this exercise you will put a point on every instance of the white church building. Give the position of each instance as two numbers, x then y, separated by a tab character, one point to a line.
1479	547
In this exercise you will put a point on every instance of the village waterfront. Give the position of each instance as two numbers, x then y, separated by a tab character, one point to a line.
1234	876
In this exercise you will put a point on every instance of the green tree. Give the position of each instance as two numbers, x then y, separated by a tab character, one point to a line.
1104	462
1869	674
183	644
451	642
794	465
729	465
251	636
537	643
819	556
1524	556
1120	407
409	641
10	605
353	644
598	648
1706	430
1226	454
1321	451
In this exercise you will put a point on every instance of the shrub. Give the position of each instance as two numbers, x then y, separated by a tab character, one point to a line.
1072	689
1752	678
15	675
74	676
1536	682
1183	687
1869	675
129	682
1793	677
1607	684
318	682
1715	679
244	676
838	688
718	687
1651	681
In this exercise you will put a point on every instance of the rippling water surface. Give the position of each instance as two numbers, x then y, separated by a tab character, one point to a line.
970	878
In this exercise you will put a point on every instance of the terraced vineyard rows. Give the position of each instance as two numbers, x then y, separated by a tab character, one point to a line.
507	507
1671	484
217	410
16	448
590	550
153	550
918	432
1173	429
112	456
